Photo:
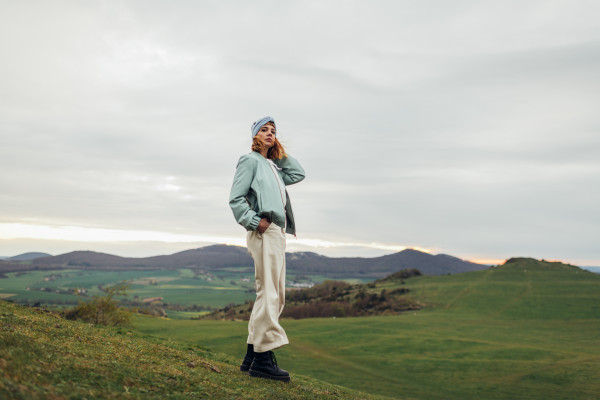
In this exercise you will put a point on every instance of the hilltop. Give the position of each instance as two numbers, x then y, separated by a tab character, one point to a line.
43	356
218	257
520	288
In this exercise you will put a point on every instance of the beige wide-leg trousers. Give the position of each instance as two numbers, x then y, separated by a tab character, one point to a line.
268	252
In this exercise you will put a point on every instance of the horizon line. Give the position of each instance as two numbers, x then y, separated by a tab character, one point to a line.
78	234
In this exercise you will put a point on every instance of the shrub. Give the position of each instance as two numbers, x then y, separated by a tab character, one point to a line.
103	310
328	289
401	275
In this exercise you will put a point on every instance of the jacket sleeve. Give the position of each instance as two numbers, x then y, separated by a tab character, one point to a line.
244	174
291	170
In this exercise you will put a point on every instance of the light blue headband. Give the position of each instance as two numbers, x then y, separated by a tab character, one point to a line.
259	124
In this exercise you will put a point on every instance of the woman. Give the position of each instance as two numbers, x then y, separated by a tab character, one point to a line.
261	204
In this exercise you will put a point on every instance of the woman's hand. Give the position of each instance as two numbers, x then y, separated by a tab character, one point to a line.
263	225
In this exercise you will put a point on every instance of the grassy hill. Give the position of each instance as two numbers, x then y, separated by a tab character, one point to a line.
525	330
43	356
522	288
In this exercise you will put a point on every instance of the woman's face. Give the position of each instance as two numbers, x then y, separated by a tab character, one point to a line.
267	134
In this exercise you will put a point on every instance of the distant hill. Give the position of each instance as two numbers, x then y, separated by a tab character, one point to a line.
90	259
28	256
220	256
210	257
378	267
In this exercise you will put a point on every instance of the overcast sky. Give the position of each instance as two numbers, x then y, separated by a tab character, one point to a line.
470	128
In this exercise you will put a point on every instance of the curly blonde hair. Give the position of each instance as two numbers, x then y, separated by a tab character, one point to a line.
275	152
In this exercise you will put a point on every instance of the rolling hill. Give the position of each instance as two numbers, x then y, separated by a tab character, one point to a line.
222	256
520	288
28	256
210	257
379	267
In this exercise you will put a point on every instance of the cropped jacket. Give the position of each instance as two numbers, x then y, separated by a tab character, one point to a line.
255	192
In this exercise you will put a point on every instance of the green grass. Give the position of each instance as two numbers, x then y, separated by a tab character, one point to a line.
175	286
45	357
423	355
184	314
524	290
522	331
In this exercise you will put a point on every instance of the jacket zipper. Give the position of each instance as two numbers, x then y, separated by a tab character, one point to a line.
278	179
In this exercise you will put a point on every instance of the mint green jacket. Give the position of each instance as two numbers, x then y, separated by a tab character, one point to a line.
255	193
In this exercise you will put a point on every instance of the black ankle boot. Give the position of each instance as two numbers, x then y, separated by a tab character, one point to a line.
248	358
265	366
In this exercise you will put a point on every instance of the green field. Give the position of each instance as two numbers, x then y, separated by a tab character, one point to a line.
182	287
185	314
526	330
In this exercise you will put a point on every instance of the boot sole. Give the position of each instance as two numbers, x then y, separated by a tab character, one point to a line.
257	374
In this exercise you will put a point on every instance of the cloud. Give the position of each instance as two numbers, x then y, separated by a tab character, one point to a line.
467	127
